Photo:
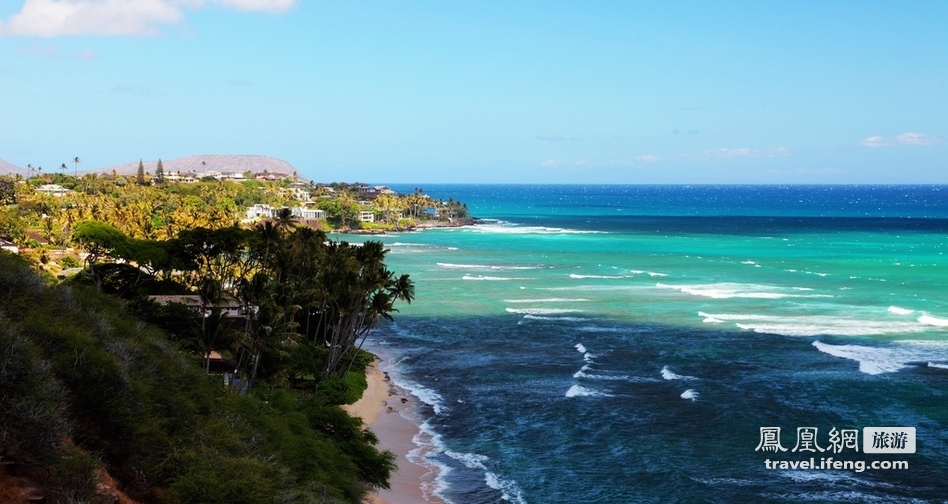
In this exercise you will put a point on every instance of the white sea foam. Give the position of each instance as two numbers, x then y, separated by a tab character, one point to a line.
542	311
494	267
470	460
509	489
490	278
548	300
939	366
933	321
832	478
607	377
668	374
428	443
507	228
900	311
580	348
736	290
710	319
608	277
888	359
649	273
581	391
581	372
424	394
690	394
558	319
594	288
816	325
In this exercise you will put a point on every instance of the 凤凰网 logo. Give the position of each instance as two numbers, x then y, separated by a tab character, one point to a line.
874	440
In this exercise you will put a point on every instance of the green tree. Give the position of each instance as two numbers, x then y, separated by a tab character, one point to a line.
140	175
76	161
99	239
7	191
160	173
356	290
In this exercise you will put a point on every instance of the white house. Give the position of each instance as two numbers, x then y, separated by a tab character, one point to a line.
366	216
308	213
52	190
261	212
268	212
8	246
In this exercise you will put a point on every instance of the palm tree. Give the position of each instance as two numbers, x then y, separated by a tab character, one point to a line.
285	220
76	161
63	168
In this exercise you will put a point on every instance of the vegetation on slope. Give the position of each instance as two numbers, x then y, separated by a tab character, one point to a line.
84	386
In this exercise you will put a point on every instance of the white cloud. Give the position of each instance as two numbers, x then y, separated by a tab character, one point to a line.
258	5
53	18
907	138
914	138
746	152
874	141
52	52
648	158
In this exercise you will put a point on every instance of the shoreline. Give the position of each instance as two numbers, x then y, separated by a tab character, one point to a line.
387	411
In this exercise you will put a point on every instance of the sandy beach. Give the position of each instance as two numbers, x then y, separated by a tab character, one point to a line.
386	409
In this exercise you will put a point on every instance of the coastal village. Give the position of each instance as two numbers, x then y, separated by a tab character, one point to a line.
48	205
219	287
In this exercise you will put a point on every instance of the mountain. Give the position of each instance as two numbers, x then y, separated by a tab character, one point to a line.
8	168
207	163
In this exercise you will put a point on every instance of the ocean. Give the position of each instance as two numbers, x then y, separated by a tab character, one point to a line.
633	344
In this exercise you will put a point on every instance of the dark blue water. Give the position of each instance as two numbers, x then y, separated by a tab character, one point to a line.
627	344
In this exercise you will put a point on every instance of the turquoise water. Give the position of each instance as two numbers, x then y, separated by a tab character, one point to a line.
627	343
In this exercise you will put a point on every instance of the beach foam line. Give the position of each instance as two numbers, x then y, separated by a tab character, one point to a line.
581	391
424	394
430	444
605	277
509	489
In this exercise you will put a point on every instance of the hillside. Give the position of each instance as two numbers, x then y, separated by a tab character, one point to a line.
8	168
205	163
100	406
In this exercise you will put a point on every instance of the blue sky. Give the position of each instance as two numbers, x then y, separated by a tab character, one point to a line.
486	91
